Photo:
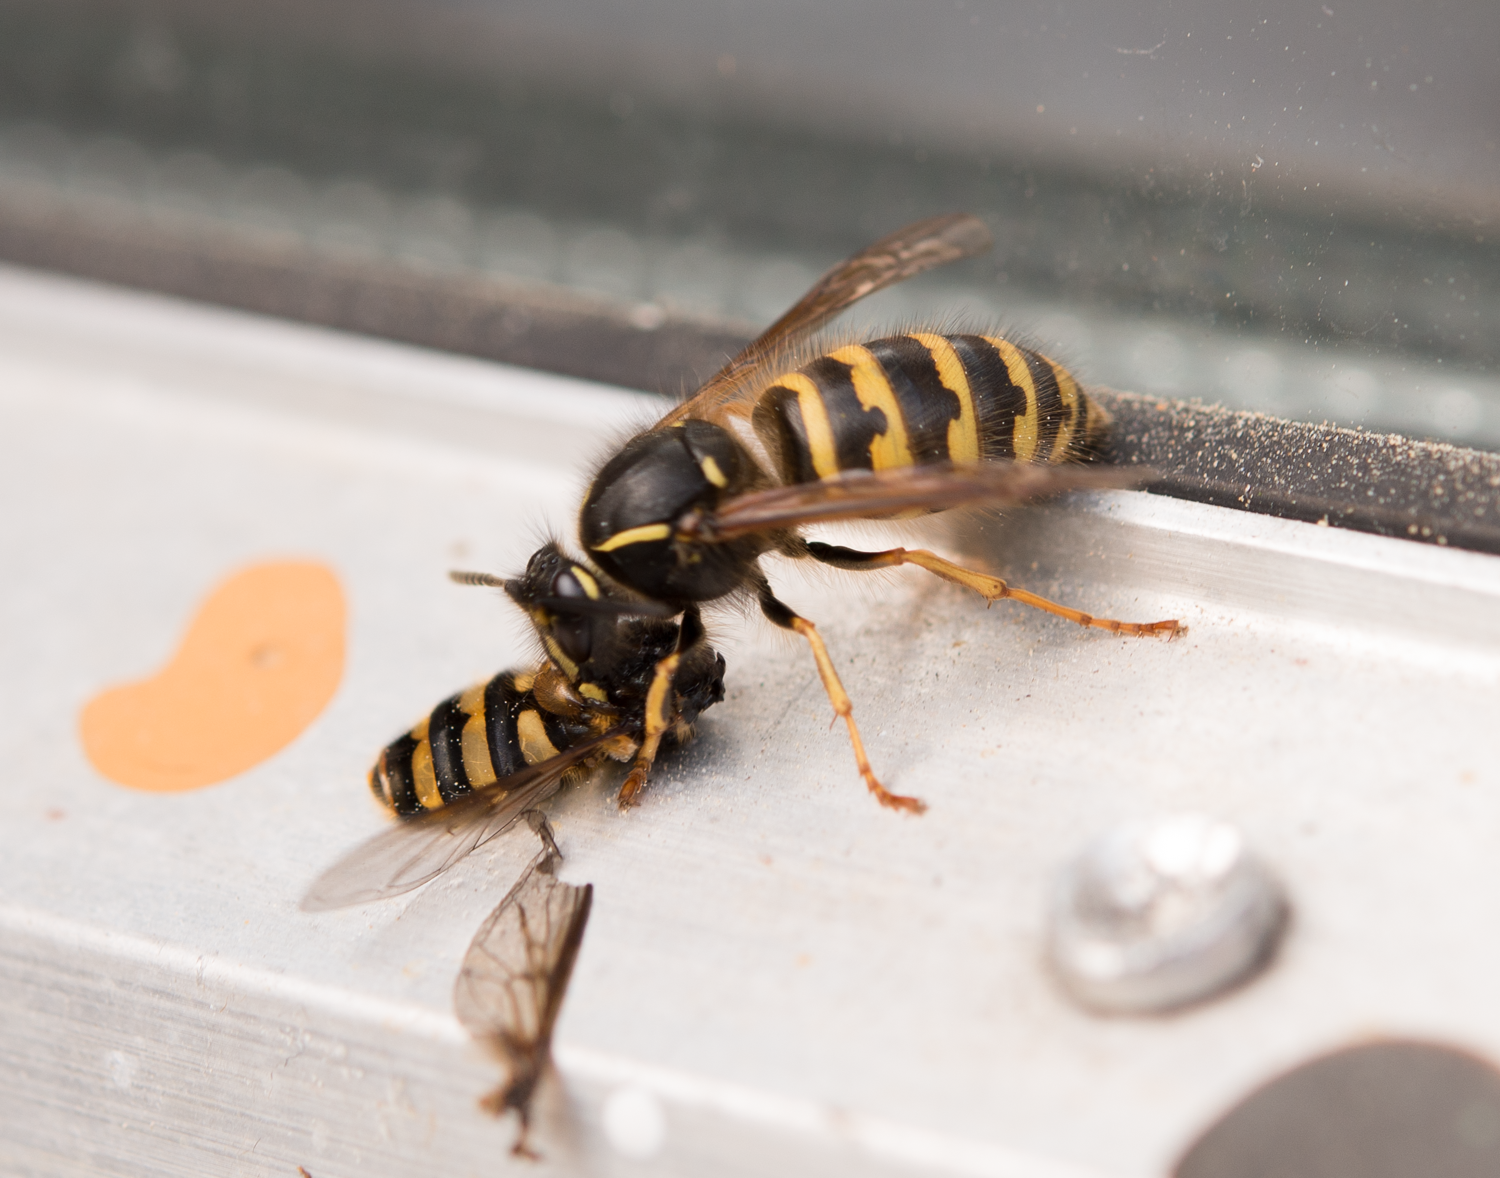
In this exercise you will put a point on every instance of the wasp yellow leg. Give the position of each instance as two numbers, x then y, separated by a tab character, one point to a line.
660	718
782	615
657	724
991	588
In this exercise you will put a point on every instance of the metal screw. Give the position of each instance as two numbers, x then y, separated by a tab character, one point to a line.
1160	913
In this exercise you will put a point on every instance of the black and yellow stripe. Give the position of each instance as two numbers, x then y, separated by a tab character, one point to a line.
468	741
923	398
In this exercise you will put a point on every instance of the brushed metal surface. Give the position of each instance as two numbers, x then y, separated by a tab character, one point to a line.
805	982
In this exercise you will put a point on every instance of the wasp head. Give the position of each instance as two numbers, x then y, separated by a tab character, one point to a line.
566	605
578	618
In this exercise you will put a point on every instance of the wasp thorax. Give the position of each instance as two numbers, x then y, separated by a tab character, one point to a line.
629	520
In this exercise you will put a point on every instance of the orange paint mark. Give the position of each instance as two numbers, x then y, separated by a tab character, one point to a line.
260	661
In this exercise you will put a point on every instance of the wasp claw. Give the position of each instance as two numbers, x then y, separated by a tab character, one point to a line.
630	791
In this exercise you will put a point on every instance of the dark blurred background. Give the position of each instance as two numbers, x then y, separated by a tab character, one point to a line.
1286	206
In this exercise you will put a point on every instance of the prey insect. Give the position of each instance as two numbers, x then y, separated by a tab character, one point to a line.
483	757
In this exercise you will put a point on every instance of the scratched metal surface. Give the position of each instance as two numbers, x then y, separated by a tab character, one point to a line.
806	983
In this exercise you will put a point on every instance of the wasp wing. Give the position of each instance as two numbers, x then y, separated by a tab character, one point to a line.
420	849
511	985
904	254
874	495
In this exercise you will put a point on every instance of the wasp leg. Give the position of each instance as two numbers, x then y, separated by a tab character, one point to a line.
781	614
660	707
991	588
558	695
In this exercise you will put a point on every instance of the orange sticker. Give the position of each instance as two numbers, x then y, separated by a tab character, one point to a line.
259	663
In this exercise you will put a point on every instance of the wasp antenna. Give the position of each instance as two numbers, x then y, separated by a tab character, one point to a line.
487	580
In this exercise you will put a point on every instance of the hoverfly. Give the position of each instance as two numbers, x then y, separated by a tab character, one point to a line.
785	434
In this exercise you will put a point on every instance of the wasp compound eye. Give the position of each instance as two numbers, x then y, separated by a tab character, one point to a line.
574	634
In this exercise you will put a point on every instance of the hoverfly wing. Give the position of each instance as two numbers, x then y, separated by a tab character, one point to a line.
872	495
917	248
511	985
421	849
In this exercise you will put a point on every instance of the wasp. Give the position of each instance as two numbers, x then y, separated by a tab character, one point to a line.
485	756
788	433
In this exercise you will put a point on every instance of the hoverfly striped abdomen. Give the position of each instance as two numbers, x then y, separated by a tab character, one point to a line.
468	741
922	399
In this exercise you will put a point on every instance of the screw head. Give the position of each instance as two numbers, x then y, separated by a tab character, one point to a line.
1160	913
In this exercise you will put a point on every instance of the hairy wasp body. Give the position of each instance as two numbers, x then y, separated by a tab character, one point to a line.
781	437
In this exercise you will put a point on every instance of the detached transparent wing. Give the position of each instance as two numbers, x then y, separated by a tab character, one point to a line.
420	849
904	254
516	971
514	976
871	495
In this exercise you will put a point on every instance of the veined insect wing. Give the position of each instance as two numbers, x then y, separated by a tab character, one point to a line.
867	494
515	974
904	254
420	849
